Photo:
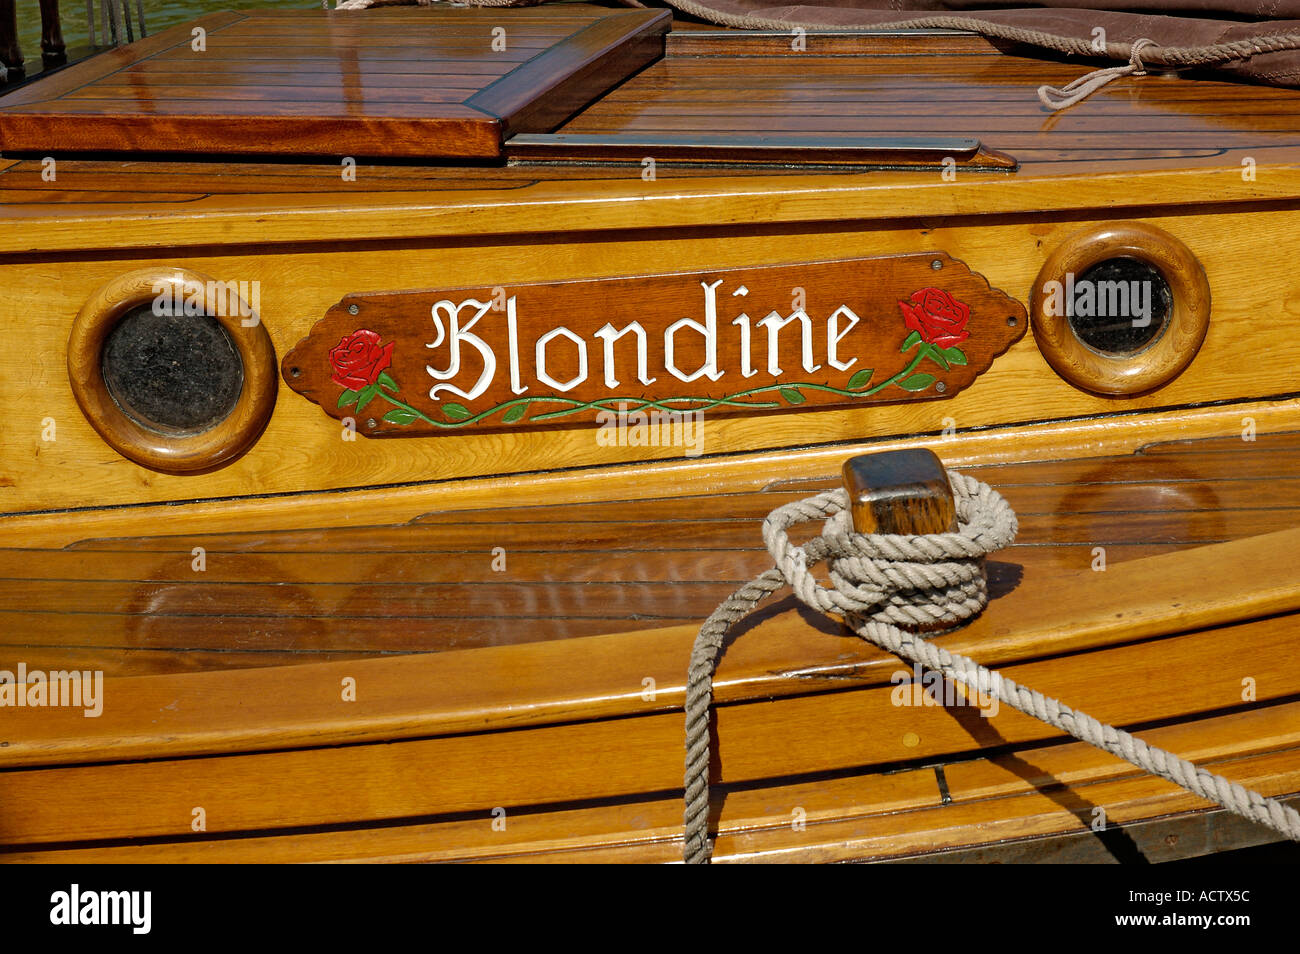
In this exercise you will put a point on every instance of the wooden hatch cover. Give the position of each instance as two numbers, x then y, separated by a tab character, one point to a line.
395	83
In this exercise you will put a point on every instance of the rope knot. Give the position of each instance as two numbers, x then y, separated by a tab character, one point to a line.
882	580
935	579
1135	57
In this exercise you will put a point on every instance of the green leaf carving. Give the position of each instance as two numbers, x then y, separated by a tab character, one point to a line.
911	340
455	412
387	381
366	396
400	415
348	397
955	355
861	379
515	413
939	359
791	395
917	382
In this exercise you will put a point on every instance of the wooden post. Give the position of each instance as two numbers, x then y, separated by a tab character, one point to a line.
904	492
52	47
10	54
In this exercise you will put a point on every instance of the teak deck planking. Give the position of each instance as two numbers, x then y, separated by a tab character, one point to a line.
718	87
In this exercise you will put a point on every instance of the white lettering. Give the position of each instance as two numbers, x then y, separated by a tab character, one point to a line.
545	378
609	335
455	334
775	323
710	332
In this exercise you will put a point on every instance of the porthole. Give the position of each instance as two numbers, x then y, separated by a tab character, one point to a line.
173	369
1120	309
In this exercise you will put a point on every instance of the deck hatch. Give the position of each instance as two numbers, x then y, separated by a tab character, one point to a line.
386	83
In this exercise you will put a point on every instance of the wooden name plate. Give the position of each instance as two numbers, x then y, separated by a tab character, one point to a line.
734	341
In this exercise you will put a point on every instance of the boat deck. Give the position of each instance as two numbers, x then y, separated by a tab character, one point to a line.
725	115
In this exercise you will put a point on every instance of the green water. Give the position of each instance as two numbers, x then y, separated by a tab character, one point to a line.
158	14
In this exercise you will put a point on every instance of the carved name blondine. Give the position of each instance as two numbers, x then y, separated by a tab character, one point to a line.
734	341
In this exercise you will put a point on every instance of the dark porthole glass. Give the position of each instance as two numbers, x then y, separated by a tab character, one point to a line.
1119	306
174	374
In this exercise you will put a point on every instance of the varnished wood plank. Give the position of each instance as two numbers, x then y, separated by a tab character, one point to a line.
449	78
1074	440
405	121
502	600
1208	742
78	74
636	535
368	66
1000	134
292	39
119	661
476	772
563	566
653	88
1253	478
1203	587
557	83
306	632
446	602
1152	179
1022	816
408	91
554	568
283	612
1240	445
756	148
185	131
715	42
854	118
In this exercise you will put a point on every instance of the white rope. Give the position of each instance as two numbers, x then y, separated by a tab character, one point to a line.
1063	97
880	581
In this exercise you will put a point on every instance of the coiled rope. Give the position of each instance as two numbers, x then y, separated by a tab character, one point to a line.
882	581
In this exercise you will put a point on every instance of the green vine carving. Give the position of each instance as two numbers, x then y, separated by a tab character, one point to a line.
512	411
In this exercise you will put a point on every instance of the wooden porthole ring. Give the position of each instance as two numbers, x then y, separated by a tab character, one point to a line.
156	447
1164	358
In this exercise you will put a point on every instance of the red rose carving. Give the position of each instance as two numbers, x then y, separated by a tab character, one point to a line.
939	318
358	359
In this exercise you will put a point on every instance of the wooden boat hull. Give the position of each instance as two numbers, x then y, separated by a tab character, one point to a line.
471	644
578	740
